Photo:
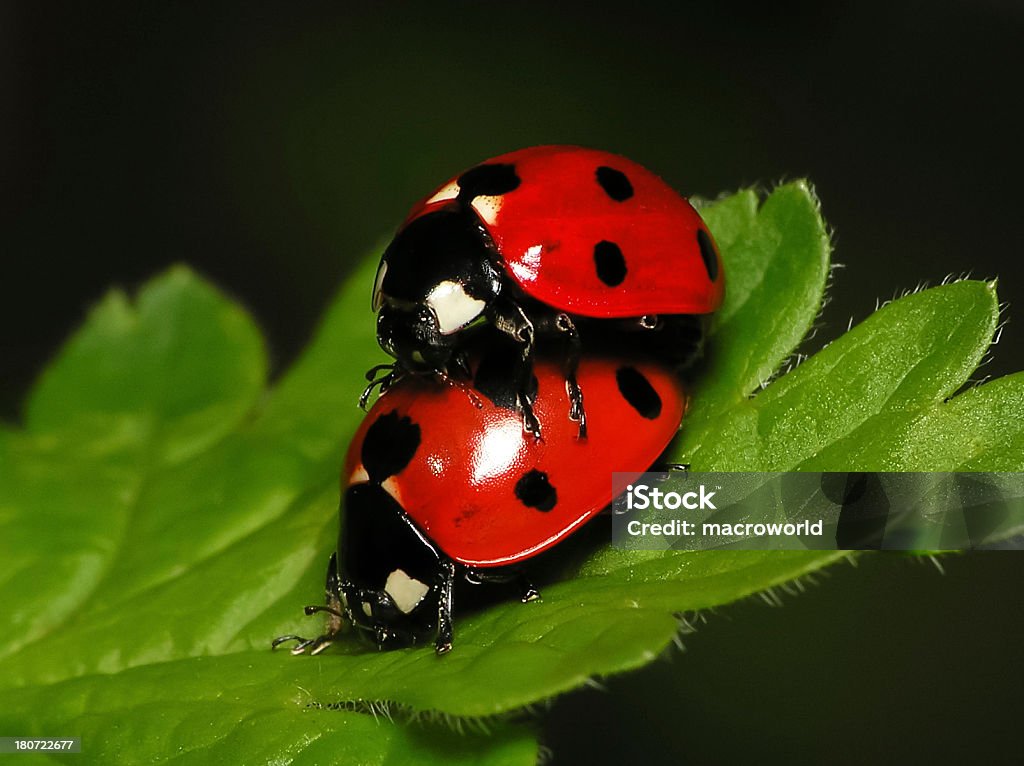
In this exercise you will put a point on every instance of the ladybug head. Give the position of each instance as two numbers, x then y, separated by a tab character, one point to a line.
411	335
436	278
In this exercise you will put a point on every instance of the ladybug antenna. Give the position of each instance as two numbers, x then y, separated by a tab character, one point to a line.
311	610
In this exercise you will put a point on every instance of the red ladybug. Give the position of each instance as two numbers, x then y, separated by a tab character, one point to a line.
439	484
553	241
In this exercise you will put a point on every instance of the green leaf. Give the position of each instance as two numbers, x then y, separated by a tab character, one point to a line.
238	709
911	354
166	517
777	260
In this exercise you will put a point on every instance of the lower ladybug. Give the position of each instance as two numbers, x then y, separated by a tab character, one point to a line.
442	482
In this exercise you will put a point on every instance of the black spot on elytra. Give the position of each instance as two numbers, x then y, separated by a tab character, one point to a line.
707	253
535	491
610	264
639	392
495	378
614	183
389	445
487	181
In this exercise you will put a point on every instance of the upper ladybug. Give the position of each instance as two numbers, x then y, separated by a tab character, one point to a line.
555	241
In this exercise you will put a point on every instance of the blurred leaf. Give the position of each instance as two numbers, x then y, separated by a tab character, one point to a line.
130	373
165	522
136	390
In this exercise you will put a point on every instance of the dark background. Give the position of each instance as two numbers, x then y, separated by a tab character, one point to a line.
271	149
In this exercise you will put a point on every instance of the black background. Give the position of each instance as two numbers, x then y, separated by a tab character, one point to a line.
272	149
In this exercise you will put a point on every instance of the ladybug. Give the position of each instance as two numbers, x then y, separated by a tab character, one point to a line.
550	241
442	482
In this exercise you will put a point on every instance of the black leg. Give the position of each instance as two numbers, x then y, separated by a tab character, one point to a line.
332	589
509	318
443	644
318	644
571	363
682	467
383	382
301	647
524	373
527	592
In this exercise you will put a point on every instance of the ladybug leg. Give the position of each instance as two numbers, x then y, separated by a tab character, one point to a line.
332	588
443	644
681	467
298	648
336	605
524	372
527	592
669	469
392	373
483	577
510	319
571	363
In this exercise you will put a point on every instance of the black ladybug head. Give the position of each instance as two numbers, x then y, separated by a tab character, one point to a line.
435	279
412	336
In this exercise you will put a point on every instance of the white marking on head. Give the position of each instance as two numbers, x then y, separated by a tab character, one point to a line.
453	307
446	192
405	591
367	609
359	475
487	208
378	286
